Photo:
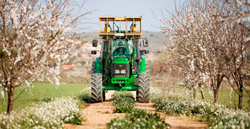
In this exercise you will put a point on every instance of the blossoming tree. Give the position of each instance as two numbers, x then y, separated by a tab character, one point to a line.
208	46
238	57
196	33
33	42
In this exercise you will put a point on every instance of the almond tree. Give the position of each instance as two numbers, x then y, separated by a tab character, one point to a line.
236	54
33	42
238	49
197	34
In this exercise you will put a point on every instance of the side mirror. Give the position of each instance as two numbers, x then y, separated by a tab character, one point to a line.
95	43
93	52
143	52
145	42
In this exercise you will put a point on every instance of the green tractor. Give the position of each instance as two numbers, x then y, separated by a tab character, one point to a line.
120	66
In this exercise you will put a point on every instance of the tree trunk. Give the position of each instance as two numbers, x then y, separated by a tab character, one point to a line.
10	99
190	91
216	90
240	97
194	93
174	87
202	94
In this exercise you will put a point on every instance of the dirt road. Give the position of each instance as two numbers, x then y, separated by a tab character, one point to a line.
97	116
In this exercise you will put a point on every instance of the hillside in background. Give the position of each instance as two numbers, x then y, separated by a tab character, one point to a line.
157	40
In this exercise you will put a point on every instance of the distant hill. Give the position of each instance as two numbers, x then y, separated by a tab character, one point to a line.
157	40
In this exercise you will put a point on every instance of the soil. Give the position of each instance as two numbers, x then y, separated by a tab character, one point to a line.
97	115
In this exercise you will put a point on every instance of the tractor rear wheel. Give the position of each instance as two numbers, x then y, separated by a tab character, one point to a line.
96	85
143	93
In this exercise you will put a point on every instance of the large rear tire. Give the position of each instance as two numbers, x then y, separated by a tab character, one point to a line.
143	93
96	85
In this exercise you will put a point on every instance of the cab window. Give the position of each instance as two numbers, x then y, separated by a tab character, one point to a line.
128	44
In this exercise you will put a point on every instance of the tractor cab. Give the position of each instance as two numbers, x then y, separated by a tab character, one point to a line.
121	65
122	48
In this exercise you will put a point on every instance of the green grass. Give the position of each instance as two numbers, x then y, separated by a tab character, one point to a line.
41	92
224	98
228	100
138	119
218	116
85	96
123	101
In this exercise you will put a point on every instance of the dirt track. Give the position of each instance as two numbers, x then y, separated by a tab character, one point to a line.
97	116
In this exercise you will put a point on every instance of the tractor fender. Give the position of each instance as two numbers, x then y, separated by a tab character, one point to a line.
98	65
142	65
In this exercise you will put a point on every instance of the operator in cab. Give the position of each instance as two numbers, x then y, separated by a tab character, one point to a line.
121	49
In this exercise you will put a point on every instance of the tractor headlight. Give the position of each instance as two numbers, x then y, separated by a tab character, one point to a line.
123	71
117	71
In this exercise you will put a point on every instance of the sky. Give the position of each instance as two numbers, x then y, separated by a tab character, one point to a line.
128	8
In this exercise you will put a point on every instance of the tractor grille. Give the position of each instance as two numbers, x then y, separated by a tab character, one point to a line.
120	70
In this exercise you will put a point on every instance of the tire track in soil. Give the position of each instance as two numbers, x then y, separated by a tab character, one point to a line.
97	116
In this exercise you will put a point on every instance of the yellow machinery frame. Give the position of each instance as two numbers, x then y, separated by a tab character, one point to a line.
120	19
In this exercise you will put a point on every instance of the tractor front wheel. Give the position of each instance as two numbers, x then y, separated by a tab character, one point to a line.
96	85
